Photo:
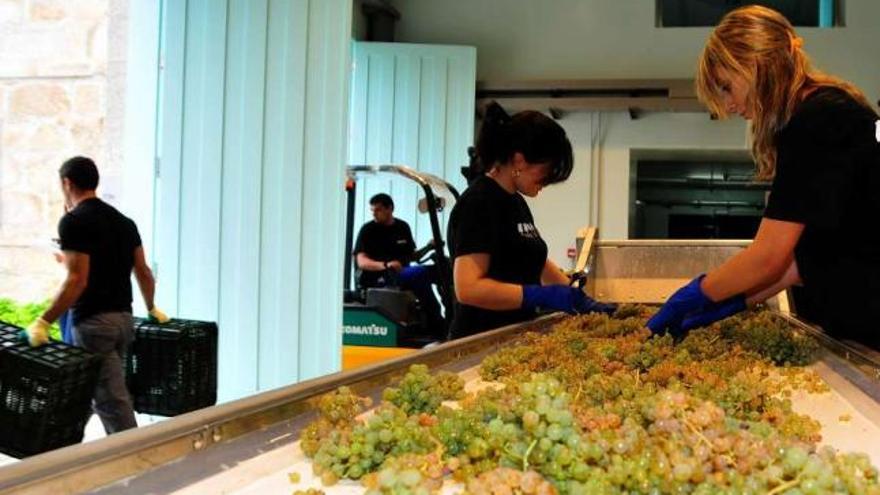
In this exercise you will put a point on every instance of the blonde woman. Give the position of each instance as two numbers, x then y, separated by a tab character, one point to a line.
816	137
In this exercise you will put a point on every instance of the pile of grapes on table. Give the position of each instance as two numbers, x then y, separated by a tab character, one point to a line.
599	406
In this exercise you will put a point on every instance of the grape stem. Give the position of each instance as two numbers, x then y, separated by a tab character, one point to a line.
511	453
785	486
696	432
440	447
526	456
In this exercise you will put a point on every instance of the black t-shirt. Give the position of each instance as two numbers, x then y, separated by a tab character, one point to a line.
109	238
489	220
384	243
828	179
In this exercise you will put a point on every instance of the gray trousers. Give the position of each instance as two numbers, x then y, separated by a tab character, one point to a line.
109	335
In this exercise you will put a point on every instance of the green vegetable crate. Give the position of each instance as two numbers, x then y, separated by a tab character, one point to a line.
45	394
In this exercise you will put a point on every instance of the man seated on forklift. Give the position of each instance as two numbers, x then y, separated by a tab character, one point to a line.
383	252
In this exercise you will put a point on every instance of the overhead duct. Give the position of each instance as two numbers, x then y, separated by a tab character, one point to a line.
559	97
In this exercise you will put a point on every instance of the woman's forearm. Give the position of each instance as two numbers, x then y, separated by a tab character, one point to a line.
487	293
474	287
553	275
761	264
789	278
745	273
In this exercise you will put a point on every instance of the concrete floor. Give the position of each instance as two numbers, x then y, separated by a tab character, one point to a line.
94	431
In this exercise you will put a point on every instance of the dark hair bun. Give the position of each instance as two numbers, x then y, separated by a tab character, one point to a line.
493	141
538	137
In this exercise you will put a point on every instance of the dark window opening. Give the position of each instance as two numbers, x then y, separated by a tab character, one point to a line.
696	200
713	226
703	13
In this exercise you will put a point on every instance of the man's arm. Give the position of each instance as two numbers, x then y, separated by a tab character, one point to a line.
74	284
147	284
368	264
363	261
144	277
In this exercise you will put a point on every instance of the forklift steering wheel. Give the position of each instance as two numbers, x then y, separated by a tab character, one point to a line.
425	253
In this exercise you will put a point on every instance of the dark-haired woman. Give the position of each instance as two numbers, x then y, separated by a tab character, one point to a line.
501	271
817	137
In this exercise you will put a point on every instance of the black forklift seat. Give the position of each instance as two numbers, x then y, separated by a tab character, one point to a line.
400	305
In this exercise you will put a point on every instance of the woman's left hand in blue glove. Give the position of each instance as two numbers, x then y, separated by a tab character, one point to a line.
715	312
589	305
562	298
689	307
684	301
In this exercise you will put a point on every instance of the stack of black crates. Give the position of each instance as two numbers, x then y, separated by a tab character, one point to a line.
172	367
45	394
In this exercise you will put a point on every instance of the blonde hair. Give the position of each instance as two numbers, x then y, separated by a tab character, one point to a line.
760	45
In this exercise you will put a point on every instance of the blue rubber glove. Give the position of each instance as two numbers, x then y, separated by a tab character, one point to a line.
562	298
715	312
686	300
587	304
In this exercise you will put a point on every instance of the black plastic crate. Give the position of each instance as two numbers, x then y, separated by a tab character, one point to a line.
172	367
45	394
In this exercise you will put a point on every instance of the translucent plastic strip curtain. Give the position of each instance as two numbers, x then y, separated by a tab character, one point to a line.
251	145
410	105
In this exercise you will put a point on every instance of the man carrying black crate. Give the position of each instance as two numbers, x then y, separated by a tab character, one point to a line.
101	249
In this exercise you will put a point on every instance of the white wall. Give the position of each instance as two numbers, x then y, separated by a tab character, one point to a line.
549	39
597	193
602	39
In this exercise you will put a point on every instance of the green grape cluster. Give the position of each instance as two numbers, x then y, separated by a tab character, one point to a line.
632	311
463	433
388	432
652	352
509	481
598	325
337	411
407	474
421	392
545	435
770	336
342	406
599	405
566	353
704	343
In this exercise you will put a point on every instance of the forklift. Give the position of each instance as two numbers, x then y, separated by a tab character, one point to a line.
383	322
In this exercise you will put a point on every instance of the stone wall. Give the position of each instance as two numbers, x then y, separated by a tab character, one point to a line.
53	105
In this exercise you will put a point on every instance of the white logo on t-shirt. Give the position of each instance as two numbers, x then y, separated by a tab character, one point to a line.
528	230
877	130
